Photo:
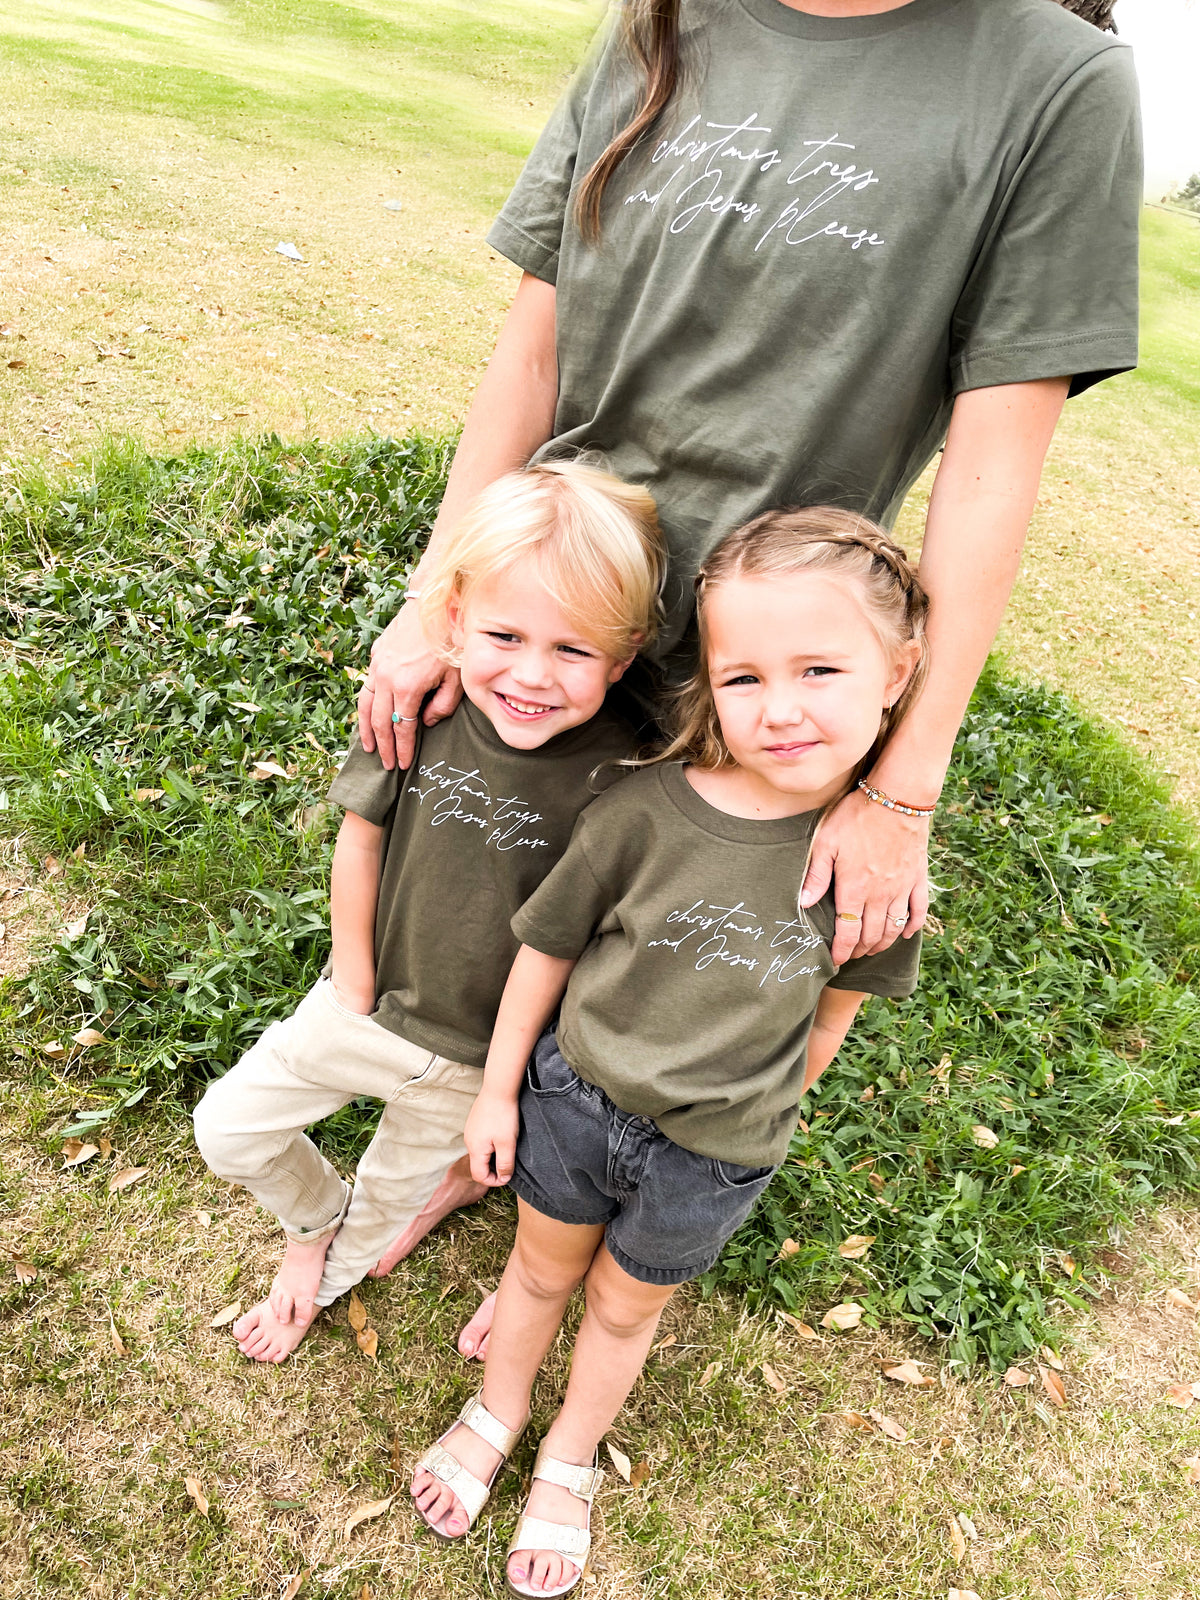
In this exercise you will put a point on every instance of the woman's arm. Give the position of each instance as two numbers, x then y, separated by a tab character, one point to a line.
511	415
836	1010
531	996
979	511
353	898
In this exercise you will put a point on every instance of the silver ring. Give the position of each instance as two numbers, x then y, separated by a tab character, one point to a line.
899	921
396	717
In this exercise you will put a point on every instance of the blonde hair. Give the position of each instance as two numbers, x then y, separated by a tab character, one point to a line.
596	541
812	539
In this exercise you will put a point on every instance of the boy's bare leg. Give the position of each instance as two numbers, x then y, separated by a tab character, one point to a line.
272	1329
547	1262
614	1339
456	1189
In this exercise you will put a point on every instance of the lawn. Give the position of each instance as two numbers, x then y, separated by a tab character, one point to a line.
190	600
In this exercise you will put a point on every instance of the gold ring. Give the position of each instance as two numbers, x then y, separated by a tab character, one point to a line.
849	916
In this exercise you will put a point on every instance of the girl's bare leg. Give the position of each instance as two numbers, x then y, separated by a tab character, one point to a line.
548	1261
614	1339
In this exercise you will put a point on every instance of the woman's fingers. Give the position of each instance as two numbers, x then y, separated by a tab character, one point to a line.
819	874
847	928
444	701
918	907
366	704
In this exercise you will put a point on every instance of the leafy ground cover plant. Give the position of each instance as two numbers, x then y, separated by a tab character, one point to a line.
181	642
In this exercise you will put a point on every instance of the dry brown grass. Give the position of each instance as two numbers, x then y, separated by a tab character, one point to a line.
749	1490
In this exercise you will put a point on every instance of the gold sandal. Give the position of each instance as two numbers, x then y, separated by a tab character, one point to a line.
563	1538
471	1491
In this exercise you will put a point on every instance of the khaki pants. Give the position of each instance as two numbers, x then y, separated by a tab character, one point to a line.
250	1128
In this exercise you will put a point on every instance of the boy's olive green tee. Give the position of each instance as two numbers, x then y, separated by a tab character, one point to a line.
698	973
472	828
837	225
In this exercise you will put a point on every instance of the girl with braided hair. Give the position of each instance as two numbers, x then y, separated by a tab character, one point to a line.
777	252
699	1000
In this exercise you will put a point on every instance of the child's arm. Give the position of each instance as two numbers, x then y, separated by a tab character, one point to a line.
535	986
836	1010
353	897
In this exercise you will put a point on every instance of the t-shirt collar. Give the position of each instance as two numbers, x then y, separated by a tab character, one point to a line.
484	730
803	25
741	830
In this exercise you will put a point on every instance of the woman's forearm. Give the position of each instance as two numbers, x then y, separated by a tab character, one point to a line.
979	511
512	413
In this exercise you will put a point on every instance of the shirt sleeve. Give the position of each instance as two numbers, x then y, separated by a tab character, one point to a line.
892	973
365	786
571	902
1054	289
529	229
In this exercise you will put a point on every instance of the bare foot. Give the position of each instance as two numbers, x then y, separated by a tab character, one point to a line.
293	1293
263	1337
437	1505
456	1189
473	1340
540	1570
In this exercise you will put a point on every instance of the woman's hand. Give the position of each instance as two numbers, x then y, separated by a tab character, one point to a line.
491	1130
403	671
878	860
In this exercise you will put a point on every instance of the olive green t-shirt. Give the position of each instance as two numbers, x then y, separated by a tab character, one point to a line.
837	225
698	973
472	828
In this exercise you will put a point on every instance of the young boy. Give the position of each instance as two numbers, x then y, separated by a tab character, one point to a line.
540	597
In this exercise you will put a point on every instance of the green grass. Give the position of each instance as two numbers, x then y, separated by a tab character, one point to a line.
171	622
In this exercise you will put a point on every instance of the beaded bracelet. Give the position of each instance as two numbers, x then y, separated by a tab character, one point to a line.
882	799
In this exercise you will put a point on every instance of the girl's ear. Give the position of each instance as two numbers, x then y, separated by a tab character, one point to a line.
619	668
906	664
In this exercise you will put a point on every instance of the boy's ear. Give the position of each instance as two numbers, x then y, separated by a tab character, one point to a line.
619	668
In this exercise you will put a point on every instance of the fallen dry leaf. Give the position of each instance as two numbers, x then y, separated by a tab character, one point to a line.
1053	1385
665	1344
909	1372
709	1373
1180	1394
267	769
619	1460
843	1317
368	1342
204	1218
1181	1302
366	1513
1016	1378
77	1157
967	1526
855	1419
984	1137
53	1049
196	1494
772	1377
229	1314
639	1474
887	1426
294	1584
53	867
106	1148
856	1246
126	1178
802	1328
118	1343
958	1543
789	1247
448	1290
25	1273
80	851
87	1037
77	929
962	1594
1051	1358
148	794
358	1312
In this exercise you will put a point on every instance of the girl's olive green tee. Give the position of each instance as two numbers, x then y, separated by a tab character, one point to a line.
836	227
698	973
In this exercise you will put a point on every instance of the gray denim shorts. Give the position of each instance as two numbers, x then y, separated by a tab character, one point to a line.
667	1211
